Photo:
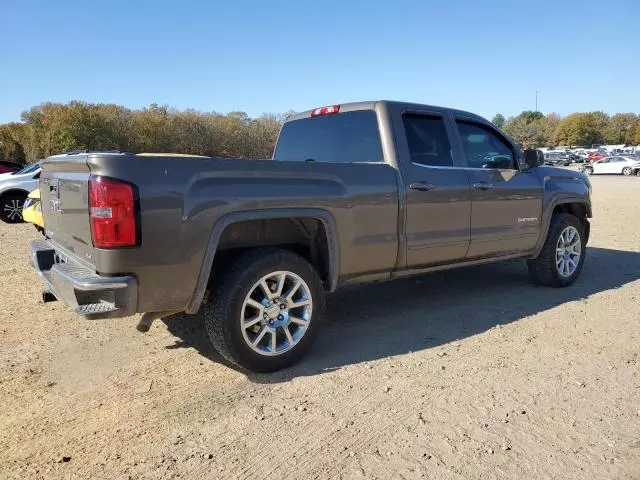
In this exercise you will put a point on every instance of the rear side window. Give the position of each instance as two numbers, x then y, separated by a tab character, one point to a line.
484	148
337	138
427	140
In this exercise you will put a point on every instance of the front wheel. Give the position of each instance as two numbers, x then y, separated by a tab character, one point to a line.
266	312
562	256
11	208
626	171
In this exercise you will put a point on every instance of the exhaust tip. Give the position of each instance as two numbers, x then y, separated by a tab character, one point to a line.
47	297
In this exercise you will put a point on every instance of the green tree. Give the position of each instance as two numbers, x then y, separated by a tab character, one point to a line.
528	129
498	120
532	116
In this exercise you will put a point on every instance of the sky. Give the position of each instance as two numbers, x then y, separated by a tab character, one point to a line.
274	56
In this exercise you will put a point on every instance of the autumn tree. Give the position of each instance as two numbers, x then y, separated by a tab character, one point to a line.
582	129
621	129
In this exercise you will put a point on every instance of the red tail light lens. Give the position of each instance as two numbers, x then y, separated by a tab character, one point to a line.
325	110
112	209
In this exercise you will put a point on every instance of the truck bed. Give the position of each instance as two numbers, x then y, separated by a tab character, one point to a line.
181	199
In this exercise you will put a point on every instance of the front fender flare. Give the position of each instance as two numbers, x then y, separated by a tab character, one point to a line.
546	218
207	264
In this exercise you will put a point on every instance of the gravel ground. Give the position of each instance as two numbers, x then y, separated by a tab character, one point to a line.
467	374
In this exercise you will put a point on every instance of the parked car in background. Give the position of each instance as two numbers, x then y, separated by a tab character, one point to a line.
14	189
613	165
9	167
596	157
32	210
24	169
557	159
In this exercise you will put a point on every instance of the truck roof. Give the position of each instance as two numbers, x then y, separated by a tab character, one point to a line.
371	105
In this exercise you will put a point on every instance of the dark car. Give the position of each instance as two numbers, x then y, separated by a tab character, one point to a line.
559	159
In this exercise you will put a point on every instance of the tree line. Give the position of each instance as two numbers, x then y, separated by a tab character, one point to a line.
534	129
52	128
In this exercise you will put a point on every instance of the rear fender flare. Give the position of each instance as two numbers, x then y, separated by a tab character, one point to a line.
207	264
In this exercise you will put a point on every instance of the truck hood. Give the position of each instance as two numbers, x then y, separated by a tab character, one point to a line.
546	170
564	174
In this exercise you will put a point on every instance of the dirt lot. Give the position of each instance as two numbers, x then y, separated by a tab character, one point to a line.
474	373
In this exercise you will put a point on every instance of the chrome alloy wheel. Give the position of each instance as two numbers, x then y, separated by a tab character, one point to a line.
276	313
12	210
568	251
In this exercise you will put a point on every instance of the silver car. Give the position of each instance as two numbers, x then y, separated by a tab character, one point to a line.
14	188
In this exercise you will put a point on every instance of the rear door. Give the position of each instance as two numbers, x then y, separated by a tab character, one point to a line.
64	190
438	193
506	201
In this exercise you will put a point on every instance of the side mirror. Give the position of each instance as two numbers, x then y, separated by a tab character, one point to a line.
533	158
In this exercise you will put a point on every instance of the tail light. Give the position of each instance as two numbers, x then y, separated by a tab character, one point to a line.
113	213
325	110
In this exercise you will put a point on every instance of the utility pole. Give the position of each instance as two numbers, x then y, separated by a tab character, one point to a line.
536	100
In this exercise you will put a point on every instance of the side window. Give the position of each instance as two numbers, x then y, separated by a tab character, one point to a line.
484	148
428	140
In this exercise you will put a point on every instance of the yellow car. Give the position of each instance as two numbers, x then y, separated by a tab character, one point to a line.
32	210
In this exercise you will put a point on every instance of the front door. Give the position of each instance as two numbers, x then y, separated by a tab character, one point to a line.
506	202
438	194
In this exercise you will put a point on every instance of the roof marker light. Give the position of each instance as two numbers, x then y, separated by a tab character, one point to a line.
325	110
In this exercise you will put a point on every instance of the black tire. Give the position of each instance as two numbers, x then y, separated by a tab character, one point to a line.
588	170
8	203
543	268
222	312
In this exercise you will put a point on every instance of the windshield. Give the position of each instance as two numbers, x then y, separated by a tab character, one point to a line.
338	138
28	169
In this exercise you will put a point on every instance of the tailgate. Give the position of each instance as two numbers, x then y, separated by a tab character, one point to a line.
64	191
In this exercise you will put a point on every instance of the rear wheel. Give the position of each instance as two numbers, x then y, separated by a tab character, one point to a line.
266	312
626	171
11	208
563	253
588	170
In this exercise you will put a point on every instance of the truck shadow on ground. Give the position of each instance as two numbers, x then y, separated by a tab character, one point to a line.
369	322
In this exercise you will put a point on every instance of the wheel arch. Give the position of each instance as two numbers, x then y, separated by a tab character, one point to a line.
575	206
224	237
13	191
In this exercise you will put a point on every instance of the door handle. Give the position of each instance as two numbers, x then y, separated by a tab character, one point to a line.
423	187
482	186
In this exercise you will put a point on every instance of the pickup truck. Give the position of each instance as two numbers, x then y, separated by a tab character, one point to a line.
354	193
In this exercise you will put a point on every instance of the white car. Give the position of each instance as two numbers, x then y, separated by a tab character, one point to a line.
14	188
619	165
